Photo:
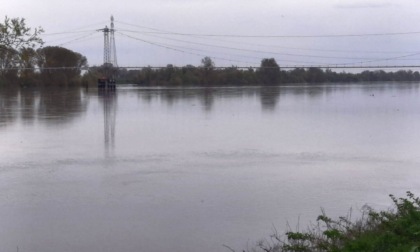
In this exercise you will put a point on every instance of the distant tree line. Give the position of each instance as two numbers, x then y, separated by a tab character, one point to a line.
269	73
23	61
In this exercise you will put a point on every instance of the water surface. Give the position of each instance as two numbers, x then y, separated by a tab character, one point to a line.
192	169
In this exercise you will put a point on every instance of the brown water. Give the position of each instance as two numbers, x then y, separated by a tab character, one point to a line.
192	169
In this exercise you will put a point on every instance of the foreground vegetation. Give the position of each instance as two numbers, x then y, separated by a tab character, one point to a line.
397	229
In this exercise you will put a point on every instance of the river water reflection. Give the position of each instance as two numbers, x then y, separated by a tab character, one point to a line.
193	169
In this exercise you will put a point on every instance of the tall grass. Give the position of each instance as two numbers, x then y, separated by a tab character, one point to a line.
396	230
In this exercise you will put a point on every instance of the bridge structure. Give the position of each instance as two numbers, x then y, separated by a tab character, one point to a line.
250	67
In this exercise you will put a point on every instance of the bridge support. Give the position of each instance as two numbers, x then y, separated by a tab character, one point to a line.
106	83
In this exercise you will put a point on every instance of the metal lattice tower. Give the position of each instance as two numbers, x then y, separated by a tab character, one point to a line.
107	53
110	52
113	49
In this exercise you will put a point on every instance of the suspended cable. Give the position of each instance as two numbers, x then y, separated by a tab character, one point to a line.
242	56
158	31
139	26
70	32
290	36
378	60
80	29
67	38
182	51
305	49
265	52
104	22
274	46
83	38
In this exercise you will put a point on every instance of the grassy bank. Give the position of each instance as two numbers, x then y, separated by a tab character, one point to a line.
397	229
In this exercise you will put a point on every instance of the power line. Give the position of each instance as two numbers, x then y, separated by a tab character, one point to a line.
378	60
266	52
274	46
277	53
201	50
367	60
68	32
83	38
235	55
179	50
140	26
76	30
212	36
290	36
307	49
159	31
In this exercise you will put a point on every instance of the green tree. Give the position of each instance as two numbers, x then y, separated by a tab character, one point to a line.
269	72
9	62
28	61
297	75
15	34
315	75
91	76
16	38
207	63
190	75
60	66
208	71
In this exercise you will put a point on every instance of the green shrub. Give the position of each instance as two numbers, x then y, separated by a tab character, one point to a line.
396	230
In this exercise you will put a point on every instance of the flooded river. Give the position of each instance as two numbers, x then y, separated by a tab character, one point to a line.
194	169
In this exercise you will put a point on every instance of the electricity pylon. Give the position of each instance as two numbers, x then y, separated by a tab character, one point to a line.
113	49
110	67
110	52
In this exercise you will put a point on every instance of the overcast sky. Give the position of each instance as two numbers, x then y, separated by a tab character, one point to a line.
301	30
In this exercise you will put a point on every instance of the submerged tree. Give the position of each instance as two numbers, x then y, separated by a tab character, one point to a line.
269	72
9	61
208	71
60	66
27	63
